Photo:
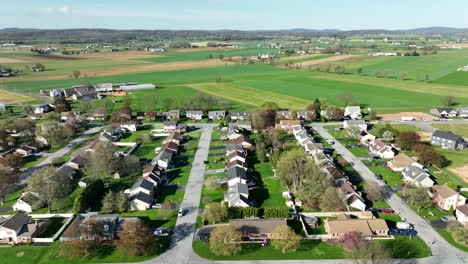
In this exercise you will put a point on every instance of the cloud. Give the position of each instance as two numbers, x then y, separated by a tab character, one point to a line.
47	11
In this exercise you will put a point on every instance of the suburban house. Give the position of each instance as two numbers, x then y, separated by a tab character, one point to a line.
361	124
27	150
111	134
154	174
306	115
238	115
78	163
19	228
141	195
302	137
27	202
462	112
313	148
366	138
236	156
236	175
2	107
236	163
46	108
353	112
233	148
255	229
242	140
447	140
446	198
171	115
150	115
284	115
237	195
171	146
287	125
175	137
140	115
194	115
367	228
141	185
417	176
127	126
462	214
236	129
64	116
443	112
336	175
401	161
353	199
164	158
173	126
216	115
380	149
84	182
99	114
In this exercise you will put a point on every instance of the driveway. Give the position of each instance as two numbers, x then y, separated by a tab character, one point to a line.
442	251
61	152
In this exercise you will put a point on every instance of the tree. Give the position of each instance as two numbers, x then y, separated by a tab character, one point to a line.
428	156
12	162
121	201
104	160
459	232
359	71
262	119
346	98
136	239
374	192
78	248
407	139
8	178
371	253
417	197
448	101
49	185
129	165
291	167
332	200
373	115
387	136
269	106
333	113
353	133
108	205
89	197
285	239
61	104
51	131
76	74
351	241
224	241
215	212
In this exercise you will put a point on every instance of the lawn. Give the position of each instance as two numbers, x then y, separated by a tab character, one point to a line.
360	152
455	78
457	158
268	189
205	55
392	178
447	236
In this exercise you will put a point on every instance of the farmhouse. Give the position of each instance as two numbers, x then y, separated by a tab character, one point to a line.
19	228
401	161
353	112
368	228
462	214
447	140
417	176
446	198
216	115
443	112
194	115
255	229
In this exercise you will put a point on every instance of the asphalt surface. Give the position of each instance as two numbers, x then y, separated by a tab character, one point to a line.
61	152
181	245
442	251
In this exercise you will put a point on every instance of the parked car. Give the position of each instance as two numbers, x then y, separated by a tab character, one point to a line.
448	218
220	170
331	142
374	210
156	206
404	225
393	232
203	238
162	232
408	232
181	212
387	211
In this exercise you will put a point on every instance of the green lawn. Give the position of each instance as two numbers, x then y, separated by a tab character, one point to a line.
392	178
360	152
205	55
455	78
447	236
268	190
458	158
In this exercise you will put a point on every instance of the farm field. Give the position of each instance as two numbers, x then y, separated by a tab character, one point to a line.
8	97
415	67
455	78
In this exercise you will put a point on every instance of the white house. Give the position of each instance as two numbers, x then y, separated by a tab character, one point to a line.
127	126
238	115
25	202
361	124
353	112
462	214
380	149
417	176
236	175
216	115
446	198
43	109
195	115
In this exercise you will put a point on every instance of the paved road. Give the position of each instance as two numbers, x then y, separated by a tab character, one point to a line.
181	248
443	252
61	152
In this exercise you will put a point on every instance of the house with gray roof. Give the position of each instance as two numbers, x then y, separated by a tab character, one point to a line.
236	175
443	112
463	112
171	115
19	228
238	115
194	115
447	140
216	115
237	195
284	115
417	176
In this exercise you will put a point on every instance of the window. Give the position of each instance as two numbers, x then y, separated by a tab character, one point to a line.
106	227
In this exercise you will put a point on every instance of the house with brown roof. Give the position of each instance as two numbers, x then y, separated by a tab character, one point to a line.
353	199
243	140
287	125
306	115
336	175
236	163
150	115
171	146
175	137
284	115
446	198
367	228
255	229
401	161
462	214
380	149
236	156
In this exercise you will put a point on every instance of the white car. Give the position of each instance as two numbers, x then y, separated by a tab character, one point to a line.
180	213
331	142
221	170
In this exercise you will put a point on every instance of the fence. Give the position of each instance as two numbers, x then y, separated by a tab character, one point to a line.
360	215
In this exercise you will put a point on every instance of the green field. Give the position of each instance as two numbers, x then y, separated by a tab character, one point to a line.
205	55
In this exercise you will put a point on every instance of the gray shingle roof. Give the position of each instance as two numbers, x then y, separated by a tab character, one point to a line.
141	196
235	172
16	221
447	135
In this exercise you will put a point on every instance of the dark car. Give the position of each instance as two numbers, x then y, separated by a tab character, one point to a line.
203	238
374	210
393	232
408	232
387	211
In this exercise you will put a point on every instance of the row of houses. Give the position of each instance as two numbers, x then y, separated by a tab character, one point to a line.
327	166
88	91
446	112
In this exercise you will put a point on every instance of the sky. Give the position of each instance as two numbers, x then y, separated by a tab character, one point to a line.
233	14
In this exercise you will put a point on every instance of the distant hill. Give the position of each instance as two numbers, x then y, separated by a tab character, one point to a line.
84	35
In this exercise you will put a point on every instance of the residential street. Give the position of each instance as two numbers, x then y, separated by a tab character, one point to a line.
181	248
61	152
442	251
